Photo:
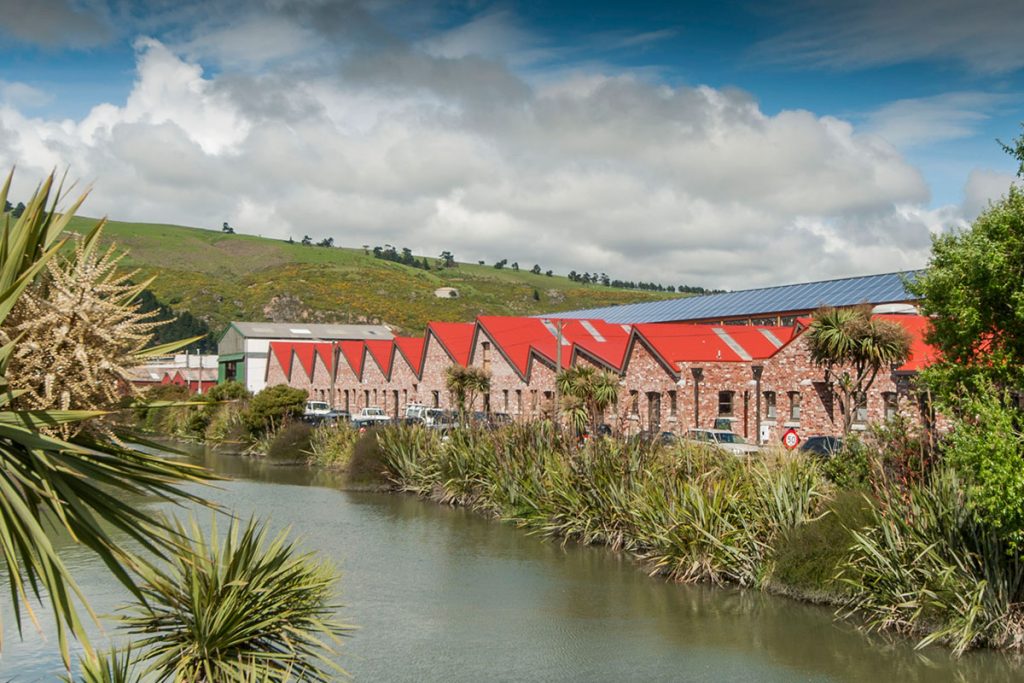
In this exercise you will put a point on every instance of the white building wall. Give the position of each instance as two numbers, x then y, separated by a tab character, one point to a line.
256	357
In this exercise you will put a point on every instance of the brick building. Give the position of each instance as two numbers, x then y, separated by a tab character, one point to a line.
757	380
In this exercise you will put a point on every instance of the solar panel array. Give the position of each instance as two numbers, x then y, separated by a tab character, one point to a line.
872	289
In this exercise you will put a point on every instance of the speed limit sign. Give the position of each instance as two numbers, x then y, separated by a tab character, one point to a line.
790	439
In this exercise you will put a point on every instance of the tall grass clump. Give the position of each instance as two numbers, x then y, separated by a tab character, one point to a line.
694	514
331	446
926	565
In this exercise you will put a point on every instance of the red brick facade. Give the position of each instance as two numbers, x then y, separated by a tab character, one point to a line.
667	382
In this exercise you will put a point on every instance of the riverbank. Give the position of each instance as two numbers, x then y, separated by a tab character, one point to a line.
906	559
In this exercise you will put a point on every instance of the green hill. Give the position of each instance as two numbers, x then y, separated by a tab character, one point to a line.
220	277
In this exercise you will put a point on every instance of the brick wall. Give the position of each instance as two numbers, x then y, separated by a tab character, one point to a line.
651	396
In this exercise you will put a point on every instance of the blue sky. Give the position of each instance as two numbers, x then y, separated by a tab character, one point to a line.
910	96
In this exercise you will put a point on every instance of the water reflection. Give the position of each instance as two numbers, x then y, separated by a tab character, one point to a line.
444	594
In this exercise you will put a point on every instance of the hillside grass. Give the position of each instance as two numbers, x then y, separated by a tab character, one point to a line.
221	277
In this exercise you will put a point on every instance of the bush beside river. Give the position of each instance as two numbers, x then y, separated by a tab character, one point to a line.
902	554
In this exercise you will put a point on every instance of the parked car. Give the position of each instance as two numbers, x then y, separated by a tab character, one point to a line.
724	439
316	409
666	438
824	446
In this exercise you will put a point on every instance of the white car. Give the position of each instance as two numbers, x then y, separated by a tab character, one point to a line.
724	439
316	409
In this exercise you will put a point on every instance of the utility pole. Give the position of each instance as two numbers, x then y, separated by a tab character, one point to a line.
558	370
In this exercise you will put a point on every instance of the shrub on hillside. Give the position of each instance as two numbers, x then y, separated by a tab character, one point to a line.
291	443
274	407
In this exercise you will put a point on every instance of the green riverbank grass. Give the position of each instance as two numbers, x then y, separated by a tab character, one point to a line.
911	561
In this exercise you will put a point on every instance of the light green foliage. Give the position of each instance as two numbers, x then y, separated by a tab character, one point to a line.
226	610
925	565
986	447
331	446
853	348
273	407
974	291
586	394
107	667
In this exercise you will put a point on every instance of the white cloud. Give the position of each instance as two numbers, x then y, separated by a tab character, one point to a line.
22	95
927	120
596	173
850	34
984	186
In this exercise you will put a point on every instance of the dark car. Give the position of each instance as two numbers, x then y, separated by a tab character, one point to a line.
824	446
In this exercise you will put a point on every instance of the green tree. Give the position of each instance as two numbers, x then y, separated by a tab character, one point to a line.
465	384
447	259
853	348
586	394
271	408
973	291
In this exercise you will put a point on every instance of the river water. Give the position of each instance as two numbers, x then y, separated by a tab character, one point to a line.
440	594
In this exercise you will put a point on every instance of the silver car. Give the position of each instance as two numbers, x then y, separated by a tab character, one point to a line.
724	439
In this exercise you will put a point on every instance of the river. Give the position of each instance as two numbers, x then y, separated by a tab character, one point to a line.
441	594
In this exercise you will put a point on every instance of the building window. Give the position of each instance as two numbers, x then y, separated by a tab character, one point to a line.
504	400
634	403
860	415
519	402
486	348
549	403
769	405
405	396
348	408
794	406
437	398
366	397
673	403
725	400
891	405
533	403
231	371
415	391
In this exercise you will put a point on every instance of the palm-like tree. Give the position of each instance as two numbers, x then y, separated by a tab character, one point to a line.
586	394
853	347
465	384
86	487
224	611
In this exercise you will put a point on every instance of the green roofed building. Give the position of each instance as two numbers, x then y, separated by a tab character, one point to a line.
243	349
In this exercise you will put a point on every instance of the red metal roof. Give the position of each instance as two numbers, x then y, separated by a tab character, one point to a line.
411	348
922	354
605	341
382	351
283	352
516	337
352	350
676	343
455	338
326	352
305	352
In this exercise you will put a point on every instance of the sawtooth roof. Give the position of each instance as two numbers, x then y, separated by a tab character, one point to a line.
807	296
